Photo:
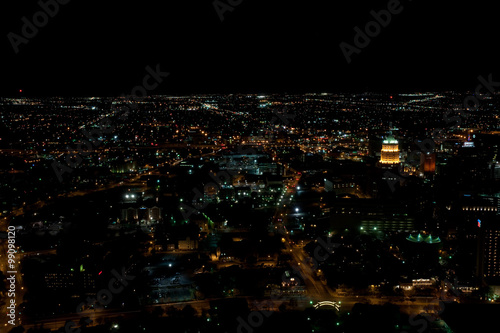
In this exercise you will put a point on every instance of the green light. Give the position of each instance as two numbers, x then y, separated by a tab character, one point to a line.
310	302
449	257
338	324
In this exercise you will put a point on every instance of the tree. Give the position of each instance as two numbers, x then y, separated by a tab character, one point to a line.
18	329
157	311
188	312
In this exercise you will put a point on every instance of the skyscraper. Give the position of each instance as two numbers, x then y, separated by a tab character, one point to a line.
489	250
428	163
390	151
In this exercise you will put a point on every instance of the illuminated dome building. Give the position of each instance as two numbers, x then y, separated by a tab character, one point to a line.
390	151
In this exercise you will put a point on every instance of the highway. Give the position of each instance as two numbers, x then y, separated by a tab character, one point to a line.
264	304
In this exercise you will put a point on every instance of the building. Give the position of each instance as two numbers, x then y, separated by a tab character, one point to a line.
129	214
390	151
69	279
428	163
416	283
489	251
341	186
141	214
188	244
153	213
387	224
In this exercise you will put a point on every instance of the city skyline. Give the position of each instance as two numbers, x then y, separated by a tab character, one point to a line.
278	206
249	166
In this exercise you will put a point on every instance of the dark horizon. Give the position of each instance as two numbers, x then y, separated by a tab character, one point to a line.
92	49
228	93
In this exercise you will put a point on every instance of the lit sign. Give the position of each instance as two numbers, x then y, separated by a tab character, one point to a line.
328	303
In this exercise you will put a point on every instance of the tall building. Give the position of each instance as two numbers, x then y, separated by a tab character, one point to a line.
492	253
489	250
390	151
428	162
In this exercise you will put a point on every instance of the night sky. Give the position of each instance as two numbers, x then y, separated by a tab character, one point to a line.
102	47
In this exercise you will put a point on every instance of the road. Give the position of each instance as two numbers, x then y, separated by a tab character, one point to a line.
316	289
346	304
97	315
